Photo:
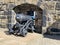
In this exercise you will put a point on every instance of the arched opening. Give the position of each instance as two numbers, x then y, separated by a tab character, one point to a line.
31	9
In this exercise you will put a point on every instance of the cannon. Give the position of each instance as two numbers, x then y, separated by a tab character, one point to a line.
23	24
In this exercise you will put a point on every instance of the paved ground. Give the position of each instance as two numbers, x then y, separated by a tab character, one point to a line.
30	39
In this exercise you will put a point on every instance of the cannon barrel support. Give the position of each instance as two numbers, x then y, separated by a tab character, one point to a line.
24	22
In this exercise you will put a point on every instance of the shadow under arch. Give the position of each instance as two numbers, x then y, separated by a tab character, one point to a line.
22	8
26	7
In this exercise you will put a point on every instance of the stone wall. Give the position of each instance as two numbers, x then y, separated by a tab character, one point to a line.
48	6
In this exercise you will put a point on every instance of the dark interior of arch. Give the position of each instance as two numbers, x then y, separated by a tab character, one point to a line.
26	7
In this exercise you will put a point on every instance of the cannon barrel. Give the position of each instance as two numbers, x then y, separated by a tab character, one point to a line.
22	17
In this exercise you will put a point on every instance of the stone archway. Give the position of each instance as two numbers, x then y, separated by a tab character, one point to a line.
23	8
